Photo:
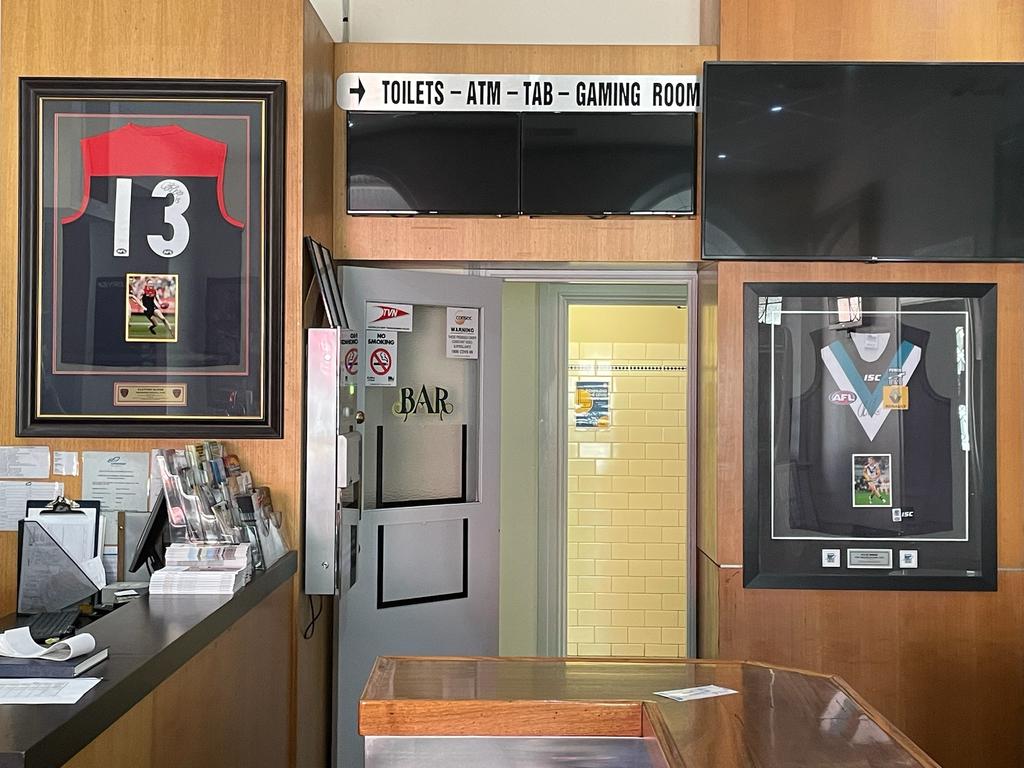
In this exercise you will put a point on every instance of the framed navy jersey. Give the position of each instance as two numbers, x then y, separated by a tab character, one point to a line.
151	258
869	447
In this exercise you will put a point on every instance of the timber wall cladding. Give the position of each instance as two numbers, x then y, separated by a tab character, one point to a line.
906	652
119	38
245	39
519	238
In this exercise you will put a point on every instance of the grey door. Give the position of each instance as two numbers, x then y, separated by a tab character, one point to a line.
427	571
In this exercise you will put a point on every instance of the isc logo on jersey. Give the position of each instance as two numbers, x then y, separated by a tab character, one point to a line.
843	397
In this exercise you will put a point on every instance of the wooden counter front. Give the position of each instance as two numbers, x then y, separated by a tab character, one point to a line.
779	717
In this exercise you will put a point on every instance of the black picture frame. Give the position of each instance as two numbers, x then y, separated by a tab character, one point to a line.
772	562
217	395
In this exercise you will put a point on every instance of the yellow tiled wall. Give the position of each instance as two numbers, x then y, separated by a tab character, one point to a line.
627	484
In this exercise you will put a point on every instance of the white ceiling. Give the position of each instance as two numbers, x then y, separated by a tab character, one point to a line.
566	22
331	13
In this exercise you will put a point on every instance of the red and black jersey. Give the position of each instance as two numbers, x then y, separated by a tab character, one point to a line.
152	203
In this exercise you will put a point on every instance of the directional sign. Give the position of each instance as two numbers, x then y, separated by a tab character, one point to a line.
424	92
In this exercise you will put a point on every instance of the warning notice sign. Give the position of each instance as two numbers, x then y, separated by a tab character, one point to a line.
381	358
463	338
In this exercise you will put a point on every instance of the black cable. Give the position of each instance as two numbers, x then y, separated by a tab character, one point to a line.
307	633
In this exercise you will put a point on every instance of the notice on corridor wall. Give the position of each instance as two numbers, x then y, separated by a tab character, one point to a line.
592	410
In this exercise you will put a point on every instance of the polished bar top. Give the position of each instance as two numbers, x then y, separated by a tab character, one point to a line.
149	640
779	717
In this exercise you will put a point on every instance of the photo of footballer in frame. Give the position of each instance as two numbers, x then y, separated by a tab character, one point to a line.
872	480
151	308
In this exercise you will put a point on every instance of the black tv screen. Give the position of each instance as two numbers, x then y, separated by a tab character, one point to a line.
595	164
432	162
863	161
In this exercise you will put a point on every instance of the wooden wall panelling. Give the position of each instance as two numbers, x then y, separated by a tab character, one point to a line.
214	710
946	668
118	38
314	657
907	652
710	15
203	39
516	238
707	414
898	649
708	612
851	30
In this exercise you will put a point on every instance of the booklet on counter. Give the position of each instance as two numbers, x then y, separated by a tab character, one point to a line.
21	656
43	668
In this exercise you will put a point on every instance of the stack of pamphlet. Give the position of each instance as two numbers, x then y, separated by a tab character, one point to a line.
194	569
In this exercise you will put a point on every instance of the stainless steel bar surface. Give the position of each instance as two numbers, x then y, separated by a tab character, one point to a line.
512	752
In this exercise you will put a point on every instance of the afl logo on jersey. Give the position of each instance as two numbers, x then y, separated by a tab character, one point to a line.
843	397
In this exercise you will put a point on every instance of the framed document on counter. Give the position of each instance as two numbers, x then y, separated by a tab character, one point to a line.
151	258
869	436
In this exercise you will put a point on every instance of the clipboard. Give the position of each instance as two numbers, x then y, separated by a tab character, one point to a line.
49	579
75	525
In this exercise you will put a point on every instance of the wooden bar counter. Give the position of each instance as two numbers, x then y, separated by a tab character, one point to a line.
778	717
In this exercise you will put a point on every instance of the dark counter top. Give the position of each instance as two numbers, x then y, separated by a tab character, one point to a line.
149	640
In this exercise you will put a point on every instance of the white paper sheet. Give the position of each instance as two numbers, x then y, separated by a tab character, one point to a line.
75	531
36	690
65	463
25	461
700	692
18	644
15	494
116	480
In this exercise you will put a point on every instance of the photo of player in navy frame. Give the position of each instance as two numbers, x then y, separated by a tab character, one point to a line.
871	482
151	308
872	433
151	257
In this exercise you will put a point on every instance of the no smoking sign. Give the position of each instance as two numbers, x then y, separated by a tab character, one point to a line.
352	361
382	358
380	362
349	341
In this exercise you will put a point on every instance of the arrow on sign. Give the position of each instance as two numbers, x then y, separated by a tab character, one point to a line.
358	91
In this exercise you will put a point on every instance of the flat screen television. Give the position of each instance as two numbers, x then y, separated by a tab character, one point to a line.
433	162
608	163
863	161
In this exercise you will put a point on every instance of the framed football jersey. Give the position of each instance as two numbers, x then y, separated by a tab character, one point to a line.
151	258
869	437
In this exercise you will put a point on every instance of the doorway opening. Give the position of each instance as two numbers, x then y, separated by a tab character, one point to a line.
596	455
626	505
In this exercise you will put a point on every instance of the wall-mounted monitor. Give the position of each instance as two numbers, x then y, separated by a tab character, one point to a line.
432	162
597	164
887	161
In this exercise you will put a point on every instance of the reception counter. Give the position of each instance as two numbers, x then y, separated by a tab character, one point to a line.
189	679
538	712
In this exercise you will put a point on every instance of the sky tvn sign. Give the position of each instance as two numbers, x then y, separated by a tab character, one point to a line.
388	316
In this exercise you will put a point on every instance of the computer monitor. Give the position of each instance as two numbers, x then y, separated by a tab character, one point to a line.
152	545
